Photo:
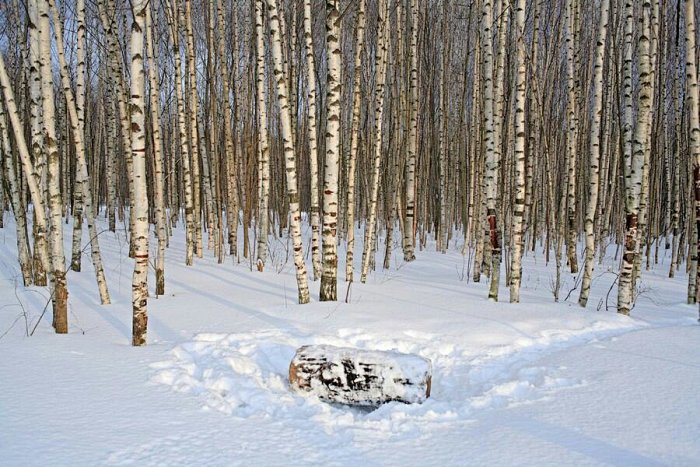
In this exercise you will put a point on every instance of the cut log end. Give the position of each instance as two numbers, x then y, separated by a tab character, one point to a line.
360	377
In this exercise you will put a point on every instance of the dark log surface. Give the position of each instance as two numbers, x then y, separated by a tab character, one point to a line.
360	377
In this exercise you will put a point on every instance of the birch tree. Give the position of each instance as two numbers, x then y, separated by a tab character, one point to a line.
354	138
263	143
55	200
139	284
571	33
381	59
80	111
329	280
409	235
173	22
289	153
519	182
158	185
231	177
492	162
193	128
114	71
27	165
82	176
693	101
313	130
16	201
595	152
634	168
37	140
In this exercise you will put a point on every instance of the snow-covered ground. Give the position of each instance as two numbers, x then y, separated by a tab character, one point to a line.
537	383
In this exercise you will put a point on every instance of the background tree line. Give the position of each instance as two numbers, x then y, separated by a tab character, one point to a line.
494	126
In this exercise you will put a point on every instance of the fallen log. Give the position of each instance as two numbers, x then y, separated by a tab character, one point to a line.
360	377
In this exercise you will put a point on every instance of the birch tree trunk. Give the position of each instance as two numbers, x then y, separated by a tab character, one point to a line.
289	154
634	169
80	110
381	59
231	177
409	222
589	223
441	233
624	297
329	280
492	162
693	101
193	130
139	284
649	23
571	33
173	22
519	182
111	117
263	143
678	110
313	131
158	188
533	126
354	139
55	200
107	16
37	142
27	166
82	177
18	208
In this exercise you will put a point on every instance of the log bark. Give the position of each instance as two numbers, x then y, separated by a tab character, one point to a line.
360	377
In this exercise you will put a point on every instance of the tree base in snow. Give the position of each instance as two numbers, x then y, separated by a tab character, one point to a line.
360	377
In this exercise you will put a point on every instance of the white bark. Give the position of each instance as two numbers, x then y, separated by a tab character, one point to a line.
441	234
649	23
173	22
193	131
381	59
82	177
78	201
409	230
27	165
675	216
23	252
354	139
37	140
634	172
693	100
55	200
289	154
595	152
139	284
313	136
572	112
329	279
492	156
117	78
519	186
263	140
158	185
231	176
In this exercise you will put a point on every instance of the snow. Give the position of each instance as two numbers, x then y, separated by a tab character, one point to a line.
535	383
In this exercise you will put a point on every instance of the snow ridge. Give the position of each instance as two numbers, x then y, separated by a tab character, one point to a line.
245	375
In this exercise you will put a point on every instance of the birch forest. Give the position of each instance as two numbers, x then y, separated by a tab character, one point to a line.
356	132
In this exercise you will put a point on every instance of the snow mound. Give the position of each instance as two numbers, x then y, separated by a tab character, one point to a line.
245	375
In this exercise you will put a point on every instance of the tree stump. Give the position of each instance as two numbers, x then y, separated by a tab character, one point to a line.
360	377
